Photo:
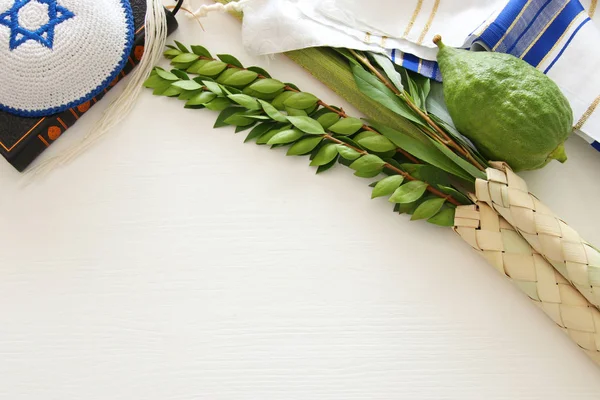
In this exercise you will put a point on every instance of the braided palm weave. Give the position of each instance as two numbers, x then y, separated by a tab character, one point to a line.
577	260
500	244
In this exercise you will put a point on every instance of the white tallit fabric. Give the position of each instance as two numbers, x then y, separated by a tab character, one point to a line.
559	37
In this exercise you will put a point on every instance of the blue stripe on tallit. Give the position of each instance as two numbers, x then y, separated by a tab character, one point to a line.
532	28
585	21
496	30
410	62
553	33
540	25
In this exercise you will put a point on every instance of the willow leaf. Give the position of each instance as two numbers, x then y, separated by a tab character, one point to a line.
375	89
464	164
390	70
423	149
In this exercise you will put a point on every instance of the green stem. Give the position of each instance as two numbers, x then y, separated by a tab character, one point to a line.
444	138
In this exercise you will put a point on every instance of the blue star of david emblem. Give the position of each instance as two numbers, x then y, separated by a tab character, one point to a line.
44	34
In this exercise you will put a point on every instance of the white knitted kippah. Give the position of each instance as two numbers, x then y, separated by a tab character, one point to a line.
56	54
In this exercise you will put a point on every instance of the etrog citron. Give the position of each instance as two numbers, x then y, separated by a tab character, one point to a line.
509	109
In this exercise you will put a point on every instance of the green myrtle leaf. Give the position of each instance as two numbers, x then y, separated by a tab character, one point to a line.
286	136
212	68
229	59
241	78
213	87
377	143
443	218
306	124
226	113
367	174
263	96
188	85
181	66
172	91
295	112
301	100
259	130
259	71
172	53
266	86
200	99
195	67
187	95
304	146
160	88
181	47
239	120
375	89
180	74
327	119
364	134
347	153
272	111
245	101
325	154
455	193
323	168
408	208
428	209
226	75
244	127
166	75
218	104
347	126
294	87
387	186
368	163
201	51
154	81
280	99
185	58
264	139
409	192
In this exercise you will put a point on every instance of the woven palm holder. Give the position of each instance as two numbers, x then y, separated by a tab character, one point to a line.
500	244
577	260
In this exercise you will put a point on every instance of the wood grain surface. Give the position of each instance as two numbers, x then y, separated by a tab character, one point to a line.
174	262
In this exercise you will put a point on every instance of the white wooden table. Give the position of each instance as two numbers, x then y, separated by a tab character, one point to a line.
174	262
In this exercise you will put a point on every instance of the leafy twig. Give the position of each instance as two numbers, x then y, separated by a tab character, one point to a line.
443	138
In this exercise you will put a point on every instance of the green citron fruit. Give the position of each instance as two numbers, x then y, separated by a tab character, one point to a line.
509	109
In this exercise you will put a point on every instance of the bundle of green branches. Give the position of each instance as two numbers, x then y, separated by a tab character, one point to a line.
425	167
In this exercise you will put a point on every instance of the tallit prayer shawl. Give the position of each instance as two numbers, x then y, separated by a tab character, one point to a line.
559	37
